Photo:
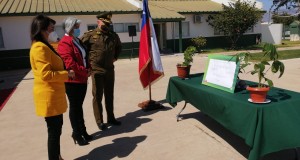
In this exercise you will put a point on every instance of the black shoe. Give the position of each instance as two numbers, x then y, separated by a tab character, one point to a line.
114	122
102	126
87	137
79	140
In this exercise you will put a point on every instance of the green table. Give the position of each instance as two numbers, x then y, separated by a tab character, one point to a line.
266	128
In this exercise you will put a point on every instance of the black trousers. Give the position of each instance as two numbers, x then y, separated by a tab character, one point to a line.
103	83
76	93
54	125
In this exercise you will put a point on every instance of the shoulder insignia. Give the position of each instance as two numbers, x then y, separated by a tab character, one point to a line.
88	31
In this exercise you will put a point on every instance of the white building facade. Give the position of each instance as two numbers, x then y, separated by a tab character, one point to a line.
15	30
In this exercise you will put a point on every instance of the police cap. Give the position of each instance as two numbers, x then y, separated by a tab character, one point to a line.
106	17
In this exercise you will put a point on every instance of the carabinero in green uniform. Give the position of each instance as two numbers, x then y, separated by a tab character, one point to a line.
104	47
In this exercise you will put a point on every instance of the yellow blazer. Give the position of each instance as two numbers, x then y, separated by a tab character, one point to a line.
49	76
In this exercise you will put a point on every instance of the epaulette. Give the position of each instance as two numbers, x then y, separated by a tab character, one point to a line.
88	31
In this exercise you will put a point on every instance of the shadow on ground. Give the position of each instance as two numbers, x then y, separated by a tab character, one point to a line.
121	147
237	142
9	80
130	122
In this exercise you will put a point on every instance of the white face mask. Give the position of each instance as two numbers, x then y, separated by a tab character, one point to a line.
53	37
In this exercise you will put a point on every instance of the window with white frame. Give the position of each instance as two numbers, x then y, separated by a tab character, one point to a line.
91	26
118	27
123	27
1	39
94	26
185	29
131	24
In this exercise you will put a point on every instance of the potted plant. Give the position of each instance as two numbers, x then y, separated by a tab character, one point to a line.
183	69
269	62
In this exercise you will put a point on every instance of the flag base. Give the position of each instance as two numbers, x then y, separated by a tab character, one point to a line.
150	105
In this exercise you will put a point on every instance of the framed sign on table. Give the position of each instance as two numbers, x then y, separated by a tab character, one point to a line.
221	72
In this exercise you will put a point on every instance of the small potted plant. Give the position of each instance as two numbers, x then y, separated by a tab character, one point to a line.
183	69
258	92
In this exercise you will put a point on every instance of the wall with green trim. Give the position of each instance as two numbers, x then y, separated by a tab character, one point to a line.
130	50
213	42
14	59
17	59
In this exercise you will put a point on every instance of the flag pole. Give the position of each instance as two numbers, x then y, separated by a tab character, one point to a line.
148	59
150	104
150	96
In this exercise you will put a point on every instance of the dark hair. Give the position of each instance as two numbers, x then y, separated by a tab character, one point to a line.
52	21
41	23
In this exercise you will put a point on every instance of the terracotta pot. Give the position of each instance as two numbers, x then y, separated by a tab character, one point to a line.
183	71
258	94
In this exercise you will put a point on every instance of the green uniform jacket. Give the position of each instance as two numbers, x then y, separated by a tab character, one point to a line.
103	48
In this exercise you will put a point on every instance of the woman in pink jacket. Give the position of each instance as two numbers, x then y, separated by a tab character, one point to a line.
76	59
49	76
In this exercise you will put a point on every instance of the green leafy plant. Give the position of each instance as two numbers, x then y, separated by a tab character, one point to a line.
199	42
270	58
283	18
235	20
188	56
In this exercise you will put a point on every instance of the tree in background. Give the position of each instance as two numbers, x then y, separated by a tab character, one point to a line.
289	4
235	20
284	18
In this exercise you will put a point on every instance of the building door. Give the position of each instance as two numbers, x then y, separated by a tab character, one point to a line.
157	31
160	30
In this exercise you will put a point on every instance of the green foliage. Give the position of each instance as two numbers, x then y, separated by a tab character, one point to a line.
284	18
287	54
269	52
235	20
188	55
289	4
199	42
297	17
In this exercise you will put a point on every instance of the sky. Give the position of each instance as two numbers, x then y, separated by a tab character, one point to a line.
266	4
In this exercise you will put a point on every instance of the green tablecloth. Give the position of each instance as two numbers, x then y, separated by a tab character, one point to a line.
266	128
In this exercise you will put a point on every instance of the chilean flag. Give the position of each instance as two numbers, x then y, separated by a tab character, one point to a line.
150	66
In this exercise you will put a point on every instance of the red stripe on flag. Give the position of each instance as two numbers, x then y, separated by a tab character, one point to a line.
146	71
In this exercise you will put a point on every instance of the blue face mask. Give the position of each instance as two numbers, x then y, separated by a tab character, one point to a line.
76	32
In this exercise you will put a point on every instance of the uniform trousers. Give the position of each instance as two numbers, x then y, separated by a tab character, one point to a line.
76	93
54	125
103	84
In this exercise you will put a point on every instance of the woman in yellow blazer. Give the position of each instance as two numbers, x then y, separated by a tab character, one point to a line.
49	76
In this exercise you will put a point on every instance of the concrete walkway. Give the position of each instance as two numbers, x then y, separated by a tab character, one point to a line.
154	135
